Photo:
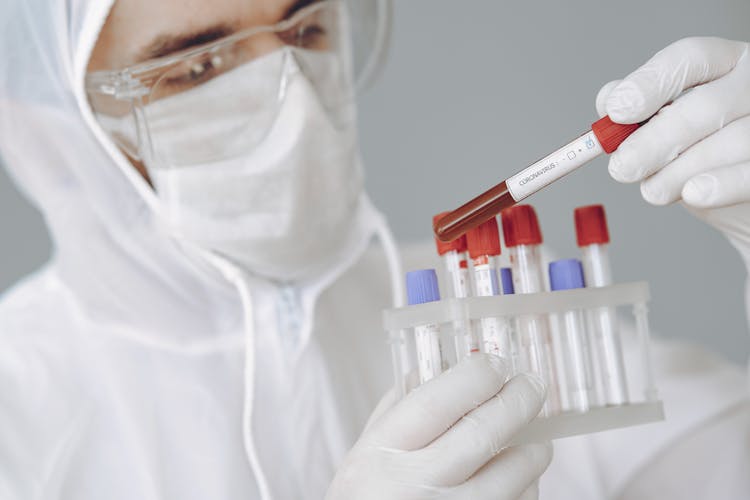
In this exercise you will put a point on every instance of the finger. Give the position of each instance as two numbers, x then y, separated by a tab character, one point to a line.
603	95
386	403
728	146
508	476
721	187
688	120
680	66
531	493
430	409
484	432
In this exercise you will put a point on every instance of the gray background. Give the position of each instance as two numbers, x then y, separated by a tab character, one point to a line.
475	90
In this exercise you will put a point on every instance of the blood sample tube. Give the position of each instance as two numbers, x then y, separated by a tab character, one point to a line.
572	340
593	239
421	288
484	248
604	137
523	237
453	254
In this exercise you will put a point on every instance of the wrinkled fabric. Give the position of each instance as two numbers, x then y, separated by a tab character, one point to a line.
698	390
282	210
130	362
122	361
93	411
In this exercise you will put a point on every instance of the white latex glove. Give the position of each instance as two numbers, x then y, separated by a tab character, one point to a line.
445	440
696	149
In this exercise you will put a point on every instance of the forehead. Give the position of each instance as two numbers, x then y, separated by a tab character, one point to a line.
134	24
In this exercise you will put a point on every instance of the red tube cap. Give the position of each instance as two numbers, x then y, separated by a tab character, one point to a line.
521	226
591	225
611	134
443	247
484	239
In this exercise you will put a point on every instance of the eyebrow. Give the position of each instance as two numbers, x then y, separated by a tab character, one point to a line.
164	45
297	6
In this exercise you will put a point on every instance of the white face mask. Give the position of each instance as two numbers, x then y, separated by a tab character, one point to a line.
283	209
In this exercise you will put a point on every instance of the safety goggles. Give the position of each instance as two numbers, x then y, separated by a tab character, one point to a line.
228	92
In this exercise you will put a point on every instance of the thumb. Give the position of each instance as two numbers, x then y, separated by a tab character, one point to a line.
385	404
720	187
683	65
603	95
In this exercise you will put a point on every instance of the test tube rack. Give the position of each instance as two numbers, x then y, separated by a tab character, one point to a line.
630	298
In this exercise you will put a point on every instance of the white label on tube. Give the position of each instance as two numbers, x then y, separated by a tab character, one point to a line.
460	278
486	281
606	341
495	331
429	354
554	166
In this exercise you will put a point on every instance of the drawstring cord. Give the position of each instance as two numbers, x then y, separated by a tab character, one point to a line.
396	271
236	277
247	409
395	267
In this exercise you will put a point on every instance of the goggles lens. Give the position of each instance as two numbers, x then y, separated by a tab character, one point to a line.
219	101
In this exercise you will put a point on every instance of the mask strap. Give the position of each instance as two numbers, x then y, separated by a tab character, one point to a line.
236	277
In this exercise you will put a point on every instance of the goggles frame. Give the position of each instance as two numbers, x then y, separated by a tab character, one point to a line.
137	81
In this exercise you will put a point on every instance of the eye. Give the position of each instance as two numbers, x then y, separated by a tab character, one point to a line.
194	73
310	36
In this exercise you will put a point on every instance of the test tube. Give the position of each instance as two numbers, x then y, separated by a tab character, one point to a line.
604	137
577	371
593	239
506	280
523	237
484	248
421	288
456	269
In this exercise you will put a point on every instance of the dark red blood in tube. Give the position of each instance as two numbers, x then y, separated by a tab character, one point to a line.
471	214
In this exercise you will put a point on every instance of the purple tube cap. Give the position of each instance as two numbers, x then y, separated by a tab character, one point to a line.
506	276
422	286
566	275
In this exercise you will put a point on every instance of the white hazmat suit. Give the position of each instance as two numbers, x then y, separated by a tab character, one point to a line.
129	370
